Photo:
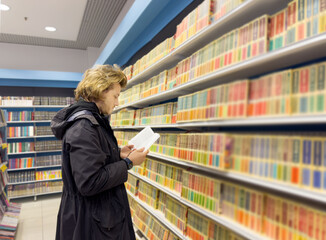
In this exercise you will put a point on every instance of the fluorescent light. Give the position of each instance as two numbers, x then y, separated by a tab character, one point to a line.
50	29
4	7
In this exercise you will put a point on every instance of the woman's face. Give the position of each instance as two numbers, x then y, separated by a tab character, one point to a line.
110	99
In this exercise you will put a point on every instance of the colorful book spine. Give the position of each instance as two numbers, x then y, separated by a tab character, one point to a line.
128	72
132	184
202	191
15	163
176	213
155	171
277	30
27	131
243	205
148	194
171	80
123	118
197	226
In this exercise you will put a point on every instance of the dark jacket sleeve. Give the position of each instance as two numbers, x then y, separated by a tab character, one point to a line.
91	174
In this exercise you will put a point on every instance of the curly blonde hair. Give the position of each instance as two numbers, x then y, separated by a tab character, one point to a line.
99	79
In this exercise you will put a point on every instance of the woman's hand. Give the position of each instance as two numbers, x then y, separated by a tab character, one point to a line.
126	150
138	156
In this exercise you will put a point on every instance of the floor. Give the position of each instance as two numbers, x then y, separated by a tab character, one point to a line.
38	218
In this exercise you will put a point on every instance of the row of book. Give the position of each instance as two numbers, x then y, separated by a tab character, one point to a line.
48	145
220	102
29	189
299	20
26	176
158	114
293	159
21	176
44	115
291	92
201	17
189	222
35	100
264	213
21	147
20	116
48	175
43	130
22	131
30	115
29	162
147	224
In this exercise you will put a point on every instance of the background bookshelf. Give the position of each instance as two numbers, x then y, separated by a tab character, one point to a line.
251	121
34	154
9	212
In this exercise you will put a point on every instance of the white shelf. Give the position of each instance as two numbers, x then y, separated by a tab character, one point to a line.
35	181
39	121
288	56
47	193
33	152
233	226
250	121
296	192
41	136
32	168
244	13
159	216
33	195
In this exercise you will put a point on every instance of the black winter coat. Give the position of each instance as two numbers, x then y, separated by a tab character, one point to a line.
94	203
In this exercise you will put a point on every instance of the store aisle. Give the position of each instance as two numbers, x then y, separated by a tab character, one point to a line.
38	219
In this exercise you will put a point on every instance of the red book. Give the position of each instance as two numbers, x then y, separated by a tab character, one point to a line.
304	80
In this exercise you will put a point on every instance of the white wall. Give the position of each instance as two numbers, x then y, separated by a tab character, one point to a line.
28	57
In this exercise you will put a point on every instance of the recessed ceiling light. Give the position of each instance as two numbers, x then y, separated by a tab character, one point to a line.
50	29
4	7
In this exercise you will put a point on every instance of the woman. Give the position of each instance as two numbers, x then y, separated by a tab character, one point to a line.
94	203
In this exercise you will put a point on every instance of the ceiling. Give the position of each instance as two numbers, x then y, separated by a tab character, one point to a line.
80	23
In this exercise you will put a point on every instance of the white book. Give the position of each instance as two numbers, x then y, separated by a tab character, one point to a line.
145	138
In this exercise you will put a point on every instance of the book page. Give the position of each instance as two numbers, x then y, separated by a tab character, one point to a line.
144	138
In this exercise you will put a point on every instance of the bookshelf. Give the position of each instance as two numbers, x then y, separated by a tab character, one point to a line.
234	227
32	147
9	212
245	12
293	54
304	194
159	216
261	121
288	50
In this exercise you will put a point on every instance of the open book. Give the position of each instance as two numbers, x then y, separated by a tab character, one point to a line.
145	138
